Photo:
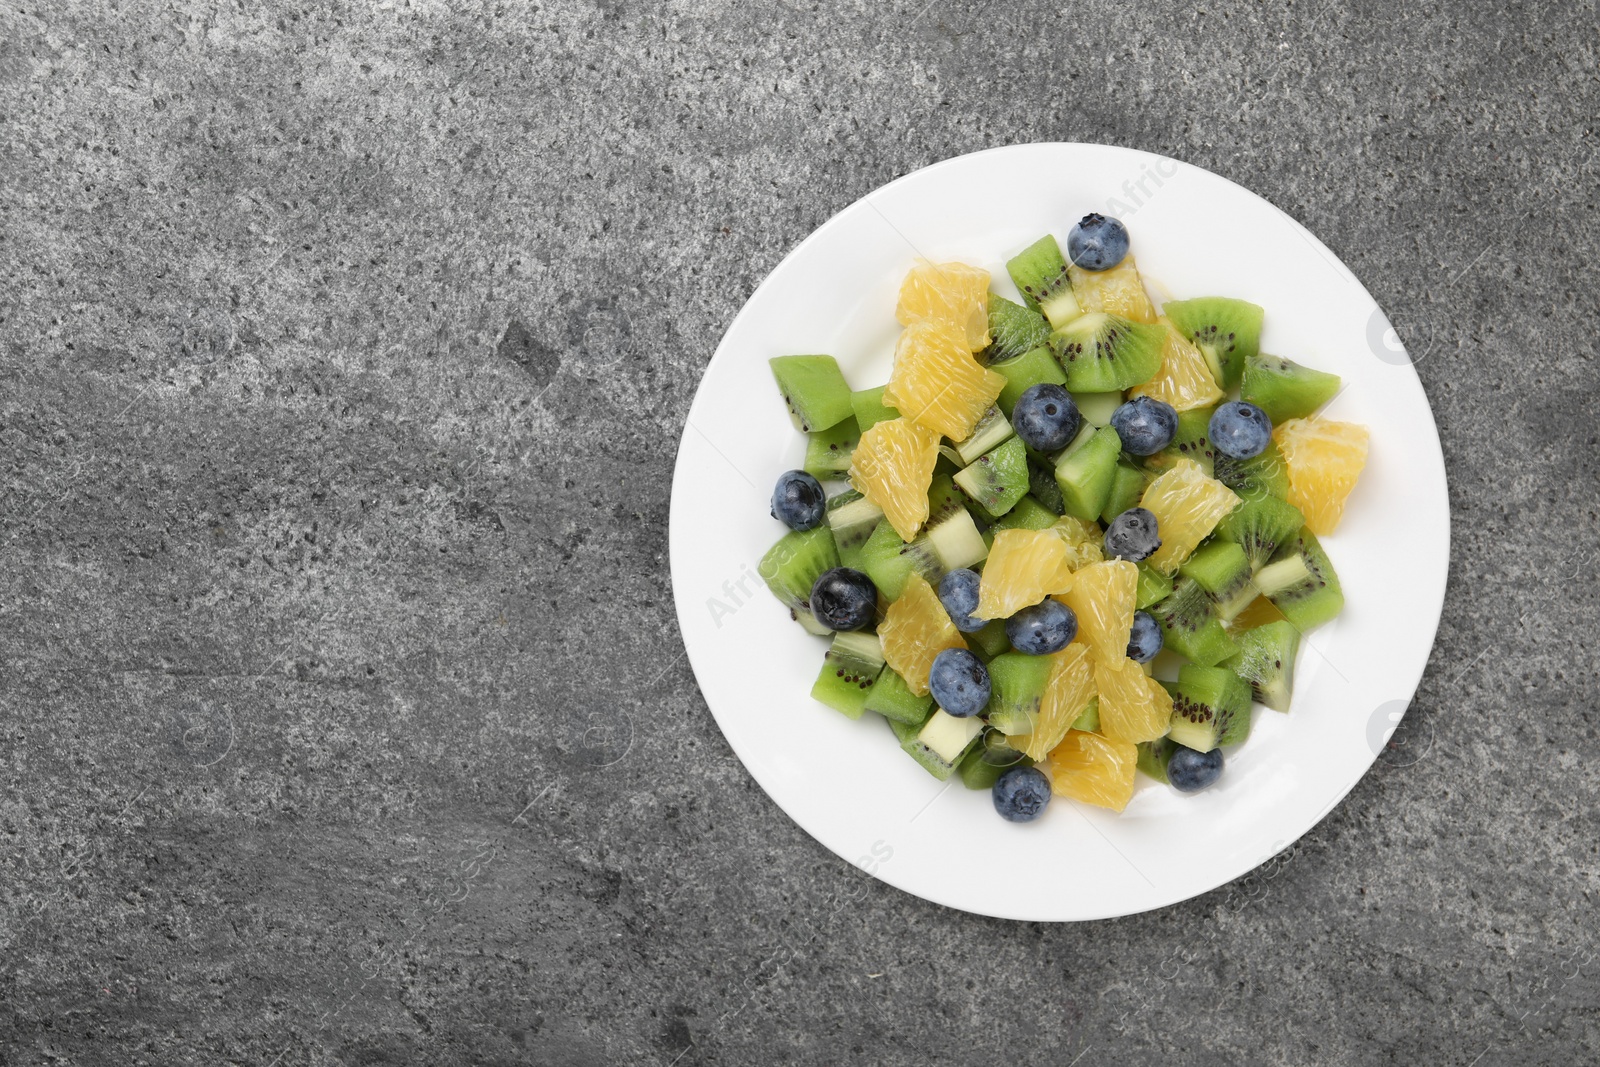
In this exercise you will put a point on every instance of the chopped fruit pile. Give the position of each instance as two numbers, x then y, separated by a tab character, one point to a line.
1050	503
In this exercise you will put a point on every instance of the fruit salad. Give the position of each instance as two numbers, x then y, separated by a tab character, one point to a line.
1072	539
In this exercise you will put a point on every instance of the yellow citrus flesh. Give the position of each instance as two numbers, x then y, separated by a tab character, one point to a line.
1066	694
1130	709
1184	380
952	294
1093	769
1324	459
1023	567
1119	291
915	629
937	384
893	467
1102	597
1083	540
1187	505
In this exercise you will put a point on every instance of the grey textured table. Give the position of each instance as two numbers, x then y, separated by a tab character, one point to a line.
344	718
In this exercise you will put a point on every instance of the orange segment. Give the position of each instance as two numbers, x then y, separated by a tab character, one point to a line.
915	629
1102	597
1024	567
1069	690
1130	709
1324	459
936	382
1184	380
1093	769
951	294
1187	505
1083	540
1119	291
893	467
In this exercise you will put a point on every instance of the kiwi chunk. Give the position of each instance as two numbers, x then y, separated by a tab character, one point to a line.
851	665
1153	587
1189	625
870	409
1227	332
1284	389
1016	686
1097	408
1266	661
1033	367
993	427
792	566
1223	570
1105	353
1088	720
1042	486
892	698
1013	330
1127	486
1028	514
1040	275
943	741
948	543
1210	708
828	451
1260	526
1085	474
988	760
814	389
1265	474
1191	441
852	518
1301	583
1153	756
997	480
990	641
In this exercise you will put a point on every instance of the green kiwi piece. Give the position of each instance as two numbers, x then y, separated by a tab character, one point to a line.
1097	408
1224	571
1265	474
1104	353
792	566
1016	686
986	761
1189	625
1033	367
992	429
1043	488
1013	330
1284	389
907	731
943	742
1301	583
1260	526
1089	719
814	389
1153	756
892	698
1210	708
870	409
1266	661
1040	275
1153	587
1127	486
1028	514
944	499
852	518
1227	332
828	451
997	480
851	665
949	542
1191	441
883	558
990	641
1085	474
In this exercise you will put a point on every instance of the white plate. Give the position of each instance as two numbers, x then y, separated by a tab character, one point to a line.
847	783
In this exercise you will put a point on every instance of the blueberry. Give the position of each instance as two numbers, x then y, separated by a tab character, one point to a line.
958	592
1239	430
1097	243
1042	629
1133	535
959	682
798	501
1046	417
1145	639
1190	771
843	599
1021	794
1145	425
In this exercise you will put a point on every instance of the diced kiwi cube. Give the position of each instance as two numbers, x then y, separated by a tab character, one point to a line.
870	409
1085	474
997	479
1034	367
1013	330
894	700
828	451
814	389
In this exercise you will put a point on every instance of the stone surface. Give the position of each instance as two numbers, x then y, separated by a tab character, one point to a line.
343	717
